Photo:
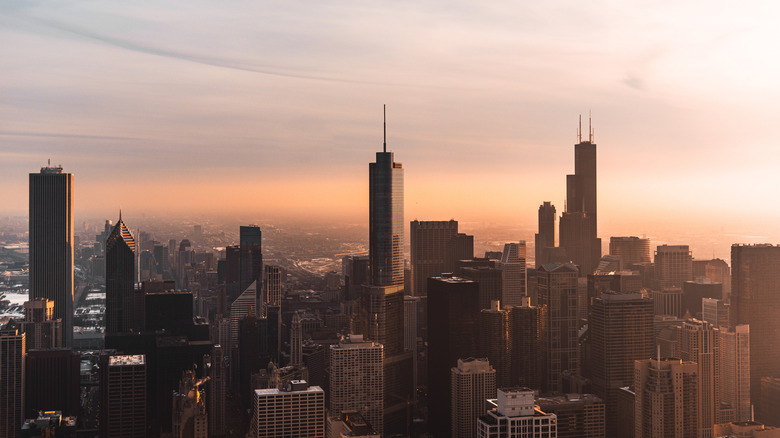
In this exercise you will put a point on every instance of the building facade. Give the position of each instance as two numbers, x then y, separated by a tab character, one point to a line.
294	410
514	279
514	414
51	243
473	382
357	379
120	279
557	296
666	398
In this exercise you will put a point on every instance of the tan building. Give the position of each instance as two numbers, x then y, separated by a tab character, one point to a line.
631	250
734	366
513	274
697	342
473	383
673	266
557	296
666	393
295	409
357	379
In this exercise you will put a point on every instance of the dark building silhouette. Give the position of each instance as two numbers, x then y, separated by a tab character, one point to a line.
495	342
578	227
356	273
528	363
453	321
579	415
52	379
490	283
557	296
12	381
233	272
249	353
216	390
620	332
123	410
120	279
251	256
430	243
544	239
51	243
755	300
694	291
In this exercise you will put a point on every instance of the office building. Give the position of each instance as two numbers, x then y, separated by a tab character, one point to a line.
453	321
557	296
697	342
120	279
216	392
490	280
621	331
250	257
716	312
513	268
356	274
544	239
734	374
51	243
296	341
42	330
631	250
357	379
495	341
578	224
668	301
473	382
430	241
528	364
49	424
386	214
716	271
693	292
273	288
294	410
755	300
579	415
123	396
666	398
52	379
515	415
769	400
673	266
12	381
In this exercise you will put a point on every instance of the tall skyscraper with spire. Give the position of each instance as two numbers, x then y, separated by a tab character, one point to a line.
51	243
120	279
578	226
382	300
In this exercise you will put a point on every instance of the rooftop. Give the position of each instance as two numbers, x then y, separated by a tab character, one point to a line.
137	359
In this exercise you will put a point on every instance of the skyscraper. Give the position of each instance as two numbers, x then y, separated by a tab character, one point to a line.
673	266
515	415
429	244
296	341
513	268
381	307
631	250
473	382
621	331
544	240
495	342
251	256
295	409
273	287
578	225
123	396
42	330
557	295
734	369
52	381
12	379
120	279
528	364
51	243
453	321
357	379
755	300
665	398
697	342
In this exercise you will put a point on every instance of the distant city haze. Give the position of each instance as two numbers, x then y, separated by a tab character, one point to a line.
255	111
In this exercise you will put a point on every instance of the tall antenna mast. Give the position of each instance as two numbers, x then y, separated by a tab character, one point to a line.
579	131
384	116
590	126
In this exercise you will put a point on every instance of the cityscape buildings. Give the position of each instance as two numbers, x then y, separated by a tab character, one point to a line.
51	243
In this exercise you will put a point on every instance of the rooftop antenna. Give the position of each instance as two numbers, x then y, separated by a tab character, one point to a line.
579	131
120	214
49	165
384	115
590	126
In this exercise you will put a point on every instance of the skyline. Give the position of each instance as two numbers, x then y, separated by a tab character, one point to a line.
172	111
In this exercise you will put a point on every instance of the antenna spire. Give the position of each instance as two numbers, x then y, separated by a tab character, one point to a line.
579	131
590	127
120	214
384	116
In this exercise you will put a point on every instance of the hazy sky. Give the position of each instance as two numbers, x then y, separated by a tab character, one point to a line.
275	108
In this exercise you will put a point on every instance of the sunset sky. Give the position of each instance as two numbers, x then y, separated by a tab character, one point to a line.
275	108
